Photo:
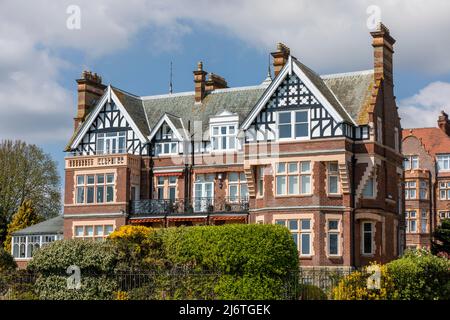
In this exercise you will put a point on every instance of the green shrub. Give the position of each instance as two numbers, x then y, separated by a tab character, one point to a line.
250	287
89	256
311	292
7	263
254	260
232	249
421	275
96	261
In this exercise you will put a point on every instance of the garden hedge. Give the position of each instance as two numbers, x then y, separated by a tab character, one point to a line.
204	262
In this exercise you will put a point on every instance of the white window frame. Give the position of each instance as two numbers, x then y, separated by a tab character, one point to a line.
410	190
423	190
260	181
411	162
292	124
108	184
411	219
299	232
423	221
444	189
372	234
112	139
333	173
161	146
336	232
95	236
227	135
441	160
240	184
299	173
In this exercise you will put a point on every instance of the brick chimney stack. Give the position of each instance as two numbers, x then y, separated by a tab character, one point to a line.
215	82
199	80
443	123
90	89
383	51
280	57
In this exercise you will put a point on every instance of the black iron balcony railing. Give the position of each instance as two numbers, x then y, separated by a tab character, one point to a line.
194	206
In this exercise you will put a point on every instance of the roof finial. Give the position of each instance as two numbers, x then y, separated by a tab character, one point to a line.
170	82
269	72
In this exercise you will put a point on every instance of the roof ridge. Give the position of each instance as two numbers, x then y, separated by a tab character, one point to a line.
125	92
346	74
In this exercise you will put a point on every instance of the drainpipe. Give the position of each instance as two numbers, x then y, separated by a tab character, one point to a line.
353	206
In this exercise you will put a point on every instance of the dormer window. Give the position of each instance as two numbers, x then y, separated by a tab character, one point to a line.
111	142
223	137
166	148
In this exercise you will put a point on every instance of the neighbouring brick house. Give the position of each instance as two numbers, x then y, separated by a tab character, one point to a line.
427	180
318	154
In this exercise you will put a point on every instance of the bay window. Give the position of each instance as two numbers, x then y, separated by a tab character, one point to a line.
293	124
301	230
293	178
411	221
423	221
94	188
111	142
410	190
444	190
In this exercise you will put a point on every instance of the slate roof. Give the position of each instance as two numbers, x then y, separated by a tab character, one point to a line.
50	226
353	90
348	93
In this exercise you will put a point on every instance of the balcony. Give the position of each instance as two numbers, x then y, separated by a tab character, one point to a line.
167	207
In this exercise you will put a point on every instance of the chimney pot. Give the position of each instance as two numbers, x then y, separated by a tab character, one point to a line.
90	89
383	45
280	57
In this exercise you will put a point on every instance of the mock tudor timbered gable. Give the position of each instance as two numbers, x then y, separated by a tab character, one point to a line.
109	130
308	112
166	138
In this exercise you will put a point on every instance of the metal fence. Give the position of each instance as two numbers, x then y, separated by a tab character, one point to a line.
306	284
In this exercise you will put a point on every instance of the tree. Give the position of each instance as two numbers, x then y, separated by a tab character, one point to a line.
441	241
26	216
27	173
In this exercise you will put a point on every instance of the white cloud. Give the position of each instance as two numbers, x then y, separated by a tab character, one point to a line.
423	108
329	36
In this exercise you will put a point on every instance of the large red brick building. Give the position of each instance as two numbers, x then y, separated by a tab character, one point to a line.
427	180
319	154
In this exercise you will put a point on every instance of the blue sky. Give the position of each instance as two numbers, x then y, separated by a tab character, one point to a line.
130	44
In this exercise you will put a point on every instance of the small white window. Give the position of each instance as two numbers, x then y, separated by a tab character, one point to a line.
443	161
166	148
223	137
333	178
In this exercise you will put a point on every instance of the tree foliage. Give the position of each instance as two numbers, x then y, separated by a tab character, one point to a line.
26	216
441	238
27	173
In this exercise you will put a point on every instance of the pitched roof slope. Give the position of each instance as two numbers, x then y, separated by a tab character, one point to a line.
434	140
353	91
51	226
325	90
237	100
